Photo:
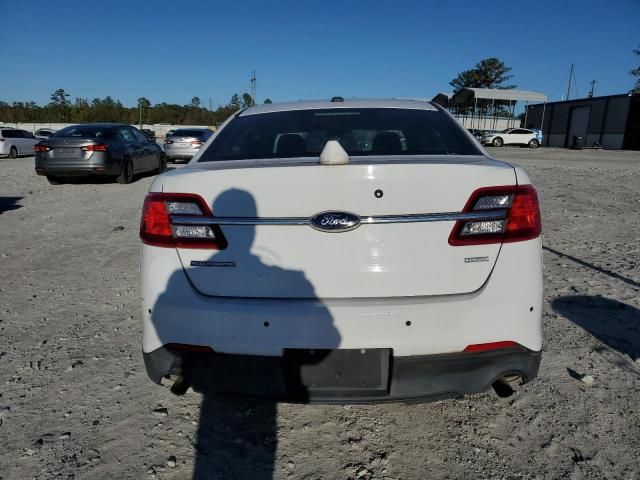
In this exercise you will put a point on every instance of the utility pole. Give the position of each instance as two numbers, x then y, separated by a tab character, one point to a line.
570	79
253	87
140	109
593	84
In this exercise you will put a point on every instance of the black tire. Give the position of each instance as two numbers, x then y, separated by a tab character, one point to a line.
534	143
126	172
162	166
497	142
169	159
54	180
13	153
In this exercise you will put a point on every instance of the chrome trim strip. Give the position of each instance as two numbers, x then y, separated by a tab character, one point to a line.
411	218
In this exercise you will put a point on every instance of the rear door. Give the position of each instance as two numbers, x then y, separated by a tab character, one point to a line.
133	148
150	160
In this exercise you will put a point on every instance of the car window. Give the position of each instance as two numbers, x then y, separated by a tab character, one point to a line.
8	134
188	133
86	131
126	134
361	132
139	136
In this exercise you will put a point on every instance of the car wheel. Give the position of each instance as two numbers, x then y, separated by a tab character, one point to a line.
534	143
54	180
497	142
13	153
126	173
162	166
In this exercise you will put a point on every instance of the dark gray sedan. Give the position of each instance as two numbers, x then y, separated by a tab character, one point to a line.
107	149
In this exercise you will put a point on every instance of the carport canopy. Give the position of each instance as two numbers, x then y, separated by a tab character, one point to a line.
483	96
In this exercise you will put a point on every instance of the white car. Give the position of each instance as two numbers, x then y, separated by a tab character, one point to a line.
342	251
15	142
511	136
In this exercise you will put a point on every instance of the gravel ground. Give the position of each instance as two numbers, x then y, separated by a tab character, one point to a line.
75	401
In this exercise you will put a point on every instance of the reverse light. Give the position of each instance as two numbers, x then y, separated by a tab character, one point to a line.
158	226
168	142
100	147
519	206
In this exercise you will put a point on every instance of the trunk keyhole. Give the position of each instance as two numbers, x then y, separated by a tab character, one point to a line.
378	193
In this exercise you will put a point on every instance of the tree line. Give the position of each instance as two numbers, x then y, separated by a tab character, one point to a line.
81	110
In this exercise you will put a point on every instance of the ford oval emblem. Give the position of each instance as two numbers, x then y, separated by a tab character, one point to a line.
333	221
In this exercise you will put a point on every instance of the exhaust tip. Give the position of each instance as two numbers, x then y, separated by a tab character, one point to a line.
502	386
180	386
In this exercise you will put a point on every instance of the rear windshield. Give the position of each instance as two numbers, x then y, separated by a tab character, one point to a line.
361	132
86	131
190	133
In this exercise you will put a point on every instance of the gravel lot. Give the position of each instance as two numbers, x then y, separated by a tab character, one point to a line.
75	401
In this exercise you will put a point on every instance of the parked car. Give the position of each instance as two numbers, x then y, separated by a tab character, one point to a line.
15	142
106	149
348	251
44	133
184	143
512	136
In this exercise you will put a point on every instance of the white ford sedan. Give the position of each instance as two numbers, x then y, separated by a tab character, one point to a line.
342	251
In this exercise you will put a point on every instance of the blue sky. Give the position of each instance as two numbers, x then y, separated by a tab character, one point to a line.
172	51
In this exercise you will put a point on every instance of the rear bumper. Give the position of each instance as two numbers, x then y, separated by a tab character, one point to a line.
180	153
77	168
414	378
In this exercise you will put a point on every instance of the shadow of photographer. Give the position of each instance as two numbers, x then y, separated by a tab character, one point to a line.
236	436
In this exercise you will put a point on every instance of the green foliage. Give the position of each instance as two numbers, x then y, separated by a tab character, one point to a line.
487	73
636	73
81	110
247	101
267	101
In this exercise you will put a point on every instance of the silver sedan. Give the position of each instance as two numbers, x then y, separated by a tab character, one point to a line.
184	143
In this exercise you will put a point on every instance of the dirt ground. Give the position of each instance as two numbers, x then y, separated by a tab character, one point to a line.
75	401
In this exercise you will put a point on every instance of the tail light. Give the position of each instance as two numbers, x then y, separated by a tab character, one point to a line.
168	142
100	147
197	143
41	148
512	215
486	347
179	220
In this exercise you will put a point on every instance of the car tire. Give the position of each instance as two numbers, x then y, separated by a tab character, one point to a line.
13	153
126	172
54	180
497	142
162	166
534	143
169	160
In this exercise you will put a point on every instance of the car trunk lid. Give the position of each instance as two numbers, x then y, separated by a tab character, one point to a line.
277	254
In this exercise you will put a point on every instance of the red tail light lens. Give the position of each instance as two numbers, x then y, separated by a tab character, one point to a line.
168	142
101	147
513	215
41	148
161	223
486	347
197	142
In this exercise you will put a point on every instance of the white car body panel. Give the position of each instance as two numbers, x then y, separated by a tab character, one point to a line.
508	306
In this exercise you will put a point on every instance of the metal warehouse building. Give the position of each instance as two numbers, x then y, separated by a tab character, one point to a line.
612	122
